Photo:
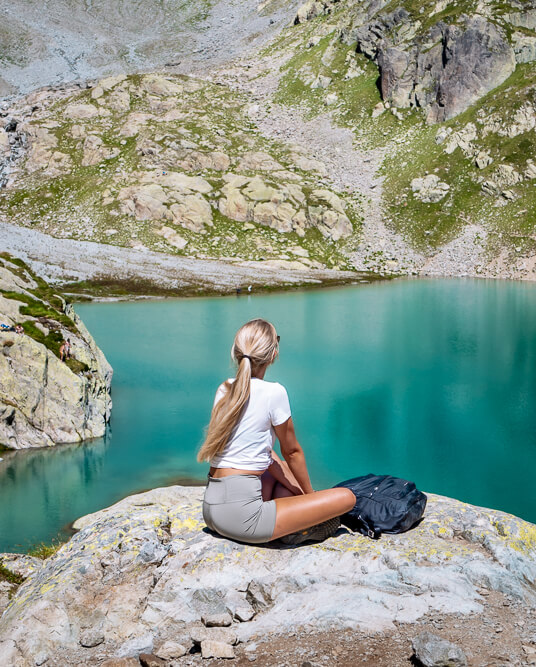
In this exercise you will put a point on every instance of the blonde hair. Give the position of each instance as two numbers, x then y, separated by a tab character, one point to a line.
255	346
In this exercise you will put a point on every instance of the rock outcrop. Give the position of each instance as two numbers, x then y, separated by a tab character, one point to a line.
146	572
443	69
45	401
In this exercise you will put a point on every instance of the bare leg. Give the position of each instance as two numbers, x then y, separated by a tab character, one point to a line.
299	512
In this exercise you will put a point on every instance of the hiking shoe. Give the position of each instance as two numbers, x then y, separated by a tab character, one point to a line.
315	533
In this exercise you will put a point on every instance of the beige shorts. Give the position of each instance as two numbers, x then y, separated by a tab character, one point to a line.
233	507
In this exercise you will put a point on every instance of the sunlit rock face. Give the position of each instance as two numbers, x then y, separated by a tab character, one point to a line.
146	570
45	401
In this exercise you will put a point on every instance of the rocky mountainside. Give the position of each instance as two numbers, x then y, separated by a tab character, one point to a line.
173	164
145	575
377	136
57	41
445	92
45	401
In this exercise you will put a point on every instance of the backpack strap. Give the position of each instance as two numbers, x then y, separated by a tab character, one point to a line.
368	529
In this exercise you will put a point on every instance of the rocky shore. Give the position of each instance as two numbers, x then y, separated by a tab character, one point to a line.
46	400
145	576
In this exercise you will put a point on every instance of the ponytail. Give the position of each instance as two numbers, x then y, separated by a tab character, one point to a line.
255	346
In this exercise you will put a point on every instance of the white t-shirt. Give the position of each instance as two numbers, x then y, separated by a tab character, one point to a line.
252	439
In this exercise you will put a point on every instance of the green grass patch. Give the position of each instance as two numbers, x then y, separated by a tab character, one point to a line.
44	551
9	576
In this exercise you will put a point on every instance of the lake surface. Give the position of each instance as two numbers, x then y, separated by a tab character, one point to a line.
433	381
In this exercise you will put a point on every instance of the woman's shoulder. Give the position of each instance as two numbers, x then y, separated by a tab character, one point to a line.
268	386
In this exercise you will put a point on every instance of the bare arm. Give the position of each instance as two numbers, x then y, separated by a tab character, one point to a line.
293	454
282	473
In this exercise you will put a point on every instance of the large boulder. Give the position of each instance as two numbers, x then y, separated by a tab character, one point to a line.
145	571
45	401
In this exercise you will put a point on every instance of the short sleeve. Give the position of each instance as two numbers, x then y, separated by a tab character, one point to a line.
219	394
280	406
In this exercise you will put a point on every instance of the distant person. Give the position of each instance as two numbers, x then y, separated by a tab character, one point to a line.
252	495
19	329
65	350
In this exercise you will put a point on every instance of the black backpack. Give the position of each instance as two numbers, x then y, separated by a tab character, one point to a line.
384	504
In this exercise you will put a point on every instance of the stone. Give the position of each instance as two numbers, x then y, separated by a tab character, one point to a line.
134	122
235	206
258	161
200	633
91	638
483	159
429	189
95	151
308	164
151	660
97	92
4	141
145	202
171	650
212	649
161	86
433	651
172	237
111	81
310	10
197	161
244	613
120	662
378	110
321	82
214	620
98	579
530	170
524	47
505	175
258	596
462	139
42	401
257	190
192	212
179	181
81	111
20	564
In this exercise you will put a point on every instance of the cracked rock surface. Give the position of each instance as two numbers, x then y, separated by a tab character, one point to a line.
146	571
43	400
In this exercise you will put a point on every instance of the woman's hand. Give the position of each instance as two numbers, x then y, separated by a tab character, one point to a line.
293	454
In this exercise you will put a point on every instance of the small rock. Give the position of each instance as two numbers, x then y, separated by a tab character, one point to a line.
91	638
433	651
41	658
151	660
212	649
199	634
216	620
121	662
244	614
171	650
258	596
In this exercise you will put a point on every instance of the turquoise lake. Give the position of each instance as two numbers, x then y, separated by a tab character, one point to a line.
430	380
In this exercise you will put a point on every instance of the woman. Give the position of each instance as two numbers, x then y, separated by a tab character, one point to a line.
252	496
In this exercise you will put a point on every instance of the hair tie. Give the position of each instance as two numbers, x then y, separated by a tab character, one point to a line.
246	356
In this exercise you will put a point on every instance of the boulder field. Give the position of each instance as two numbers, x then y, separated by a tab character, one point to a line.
145	575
